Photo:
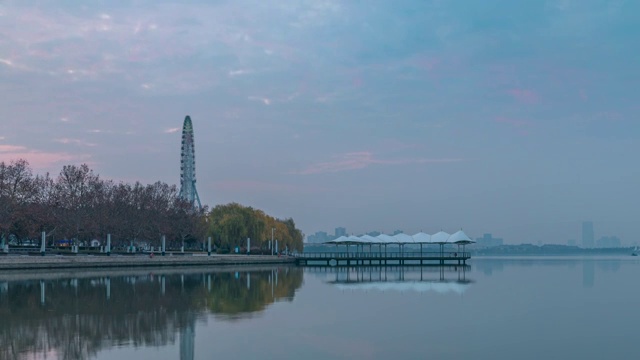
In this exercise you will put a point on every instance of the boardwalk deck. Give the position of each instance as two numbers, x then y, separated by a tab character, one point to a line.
382	258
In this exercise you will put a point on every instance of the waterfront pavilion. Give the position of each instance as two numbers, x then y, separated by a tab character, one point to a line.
440	238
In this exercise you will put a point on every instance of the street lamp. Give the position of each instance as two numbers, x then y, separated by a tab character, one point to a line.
206	219
271	243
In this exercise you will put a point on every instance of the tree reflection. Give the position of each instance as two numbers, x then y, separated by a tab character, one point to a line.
77	317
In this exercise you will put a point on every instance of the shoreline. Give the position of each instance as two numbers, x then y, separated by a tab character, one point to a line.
33	262
65	273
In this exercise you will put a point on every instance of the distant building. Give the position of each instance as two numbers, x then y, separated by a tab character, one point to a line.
374	233
609	242
572	242
587	234
398	232
340	231
319	238
487	240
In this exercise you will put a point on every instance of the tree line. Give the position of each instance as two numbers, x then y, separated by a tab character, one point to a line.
78	205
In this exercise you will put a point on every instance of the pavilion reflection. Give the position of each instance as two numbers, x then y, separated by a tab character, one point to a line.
440	279
76	316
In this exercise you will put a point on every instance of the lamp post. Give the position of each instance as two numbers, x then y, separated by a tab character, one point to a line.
206	219
271	245
43	244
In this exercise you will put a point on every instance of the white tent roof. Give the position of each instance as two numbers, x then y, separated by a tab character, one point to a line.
440	237
403	238
421	238
340	240
386	239
461	238
370	239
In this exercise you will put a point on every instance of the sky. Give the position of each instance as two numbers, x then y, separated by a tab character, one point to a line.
511	117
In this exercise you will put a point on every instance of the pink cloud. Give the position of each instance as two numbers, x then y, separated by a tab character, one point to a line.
524	95
361	160
11	148
78	142
39	159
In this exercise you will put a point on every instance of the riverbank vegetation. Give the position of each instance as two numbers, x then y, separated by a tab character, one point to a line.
233	222
79	206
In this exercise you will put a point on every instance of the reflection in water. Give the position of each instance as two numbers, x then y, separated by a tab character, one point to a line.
187	341
589	265
74	317
611	265
488	267
588	274
418	279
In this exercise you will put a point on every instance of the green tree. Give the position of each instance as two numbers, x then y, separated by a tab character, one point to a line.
231	224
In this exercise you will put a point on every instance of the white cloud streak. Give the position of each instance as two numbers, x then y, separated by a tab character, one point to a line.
171	130
78	142
363	159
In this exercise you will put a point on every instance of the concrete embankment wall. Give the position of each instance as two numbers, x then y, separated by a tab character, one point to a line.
115	261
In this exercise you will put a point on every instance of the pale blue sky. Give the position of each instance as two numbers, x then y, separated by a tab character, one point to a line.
511	117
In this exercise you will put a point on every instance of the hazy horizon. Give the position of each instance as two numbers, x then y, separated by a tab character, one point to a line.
513	118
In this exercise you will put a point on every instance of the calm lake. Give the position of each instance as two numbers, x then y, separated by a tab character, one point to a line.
506	308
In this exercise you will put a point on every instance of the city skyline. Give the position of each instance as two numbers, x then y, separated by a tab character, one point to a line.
498	116
588	235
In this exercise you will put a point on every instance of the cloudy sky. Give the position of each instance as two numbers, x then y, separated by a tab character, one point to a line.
511	117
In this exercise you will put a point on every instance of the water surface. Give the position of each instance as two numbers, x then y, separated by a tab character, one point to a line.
525	308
